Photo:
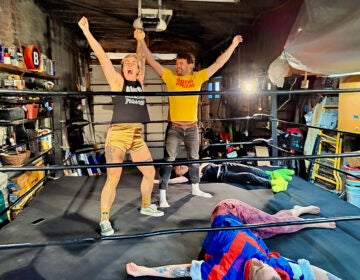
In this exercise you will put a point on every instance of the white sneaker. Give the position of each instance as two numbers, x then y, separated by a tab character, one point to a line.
164	204
151	211
196	191
202	194
106	228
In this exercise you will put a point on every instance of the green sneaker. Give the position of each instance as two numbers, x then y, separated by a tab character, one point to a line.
151	211
284	173
278	183
106	228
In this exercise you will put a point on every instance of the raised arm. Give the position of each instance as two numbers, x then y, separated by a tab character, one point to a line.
224	57
149	57
138	35
110	73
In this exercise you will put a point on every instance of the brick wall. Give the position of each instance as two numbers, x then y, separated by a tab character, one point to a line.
23	23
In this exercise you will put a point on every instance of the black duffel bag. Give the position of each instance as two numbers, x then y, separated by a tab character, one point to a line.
12	114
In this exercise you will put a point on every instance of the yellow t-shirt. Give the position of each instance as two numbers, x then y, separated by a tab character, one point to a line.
183	108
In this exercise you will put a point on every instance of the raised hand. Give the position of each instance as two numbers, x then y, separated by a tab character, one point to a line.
139	34
83	23
237	39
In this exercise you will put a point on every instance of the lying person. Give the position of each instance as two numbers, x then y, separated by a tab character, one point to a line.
241	253
233	172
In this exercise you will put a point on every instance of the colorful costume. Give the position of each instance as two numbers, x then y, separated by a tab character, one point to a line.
251	215
228	254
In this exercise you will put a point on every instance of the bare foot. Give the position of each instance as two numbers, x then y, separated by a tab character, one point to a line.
133	269
321	225
300	210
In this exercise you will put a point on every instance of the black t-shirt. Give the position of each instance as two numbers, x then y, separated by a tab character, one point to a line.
130	108
210	172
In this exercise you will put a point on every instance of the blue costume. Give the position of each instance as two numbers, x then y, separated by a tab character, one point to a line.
228	252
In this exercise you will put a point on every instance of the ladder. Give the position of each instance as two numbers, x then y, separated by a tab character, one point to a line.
328	144
324	170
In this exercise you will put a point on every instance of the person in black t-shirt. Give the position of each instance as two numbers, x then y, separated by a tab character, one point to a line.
235	172
125	132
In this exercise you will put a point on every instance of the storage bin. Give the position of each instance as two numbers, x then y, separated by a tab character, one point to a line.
32	111
352	171
353	195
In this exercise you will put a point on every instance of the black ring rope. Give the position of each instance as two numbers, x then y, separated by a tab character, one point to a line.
11	92
253	142
179	162
336	169
318	127
253	117
170	231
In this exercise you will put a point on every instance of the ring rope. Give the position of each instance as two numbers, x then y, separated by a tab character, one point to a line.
254	116
318	127
178	162
12	92
255	141
338	170
170	231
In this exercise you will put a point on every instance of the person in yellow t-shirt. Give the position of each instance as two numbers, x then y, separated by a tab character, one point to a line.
182	126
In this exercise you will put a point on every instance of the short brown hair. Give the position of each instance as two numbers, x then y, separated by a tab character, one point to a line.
190	58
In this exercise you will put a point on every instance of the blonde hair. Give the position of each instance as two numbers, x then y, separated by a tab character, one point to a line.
134	56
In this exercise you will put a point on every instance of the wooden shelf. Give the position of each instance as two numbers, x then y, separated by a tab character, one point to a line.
21	71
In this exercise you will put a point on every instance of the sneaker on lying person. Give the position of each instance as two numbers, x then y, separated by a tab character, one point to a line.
278	183
151	211
284	173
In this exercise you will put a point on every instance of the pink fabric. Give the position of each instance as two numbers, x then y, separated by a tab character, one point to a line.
251	215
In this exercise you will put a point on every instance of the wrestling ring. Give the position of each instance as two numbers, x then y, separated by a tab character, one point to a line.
56	236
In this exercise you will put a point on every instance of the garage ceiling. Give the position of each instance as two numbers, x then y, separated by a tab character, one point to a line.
194	25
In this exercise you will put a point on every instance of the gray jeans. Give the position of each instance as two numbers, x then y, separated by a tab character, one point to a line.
173	138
